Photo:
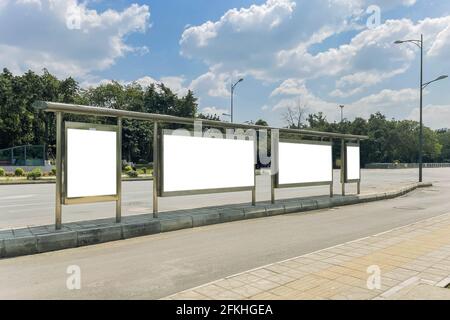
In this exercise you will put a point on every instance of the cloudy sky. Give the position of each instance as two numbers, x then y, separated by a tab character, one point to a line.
317	54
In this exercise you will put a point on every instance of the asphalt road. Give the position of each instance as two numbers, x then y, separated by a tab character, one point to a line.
156	266
31	205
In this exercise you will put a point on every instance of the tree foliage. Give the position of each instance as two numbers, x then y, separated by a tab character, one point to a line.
21	124
389	140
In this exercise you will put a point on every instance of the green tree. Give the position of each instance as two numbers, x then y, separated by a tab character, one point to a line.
261	122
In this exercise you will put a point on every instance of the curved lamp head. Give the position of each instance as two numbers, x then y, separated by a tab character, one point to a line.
442	77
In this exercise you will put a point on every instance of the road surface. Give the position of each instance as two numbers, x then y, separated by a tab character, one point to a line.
159	265
31	205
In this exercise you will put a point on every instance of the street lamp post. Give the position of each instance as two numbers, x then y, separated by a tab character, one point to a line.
419	43
342	112
232	93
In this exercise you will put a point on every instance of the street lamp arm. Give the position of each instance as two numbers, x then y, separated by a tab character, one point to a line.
437	79
236	83
416	42
232	92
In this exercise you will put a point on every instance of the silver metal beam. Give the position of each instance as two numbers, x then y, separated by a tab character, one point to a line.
58	215
155	169
343	166
119	171
107	112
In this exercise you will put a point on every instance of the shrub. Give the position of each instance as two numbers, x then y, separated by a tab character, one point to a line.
34	174
53	172
127	168
132	174
19	172
2	172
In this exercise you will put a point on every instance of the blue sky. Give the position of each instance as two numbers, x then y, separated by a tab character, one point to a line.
291	53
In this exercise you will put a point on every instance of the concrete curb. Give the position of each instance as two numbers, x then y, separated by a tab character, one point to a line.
32	240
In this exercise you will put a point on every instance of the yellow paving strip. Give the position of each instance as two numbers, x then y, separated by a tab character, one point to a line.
405	255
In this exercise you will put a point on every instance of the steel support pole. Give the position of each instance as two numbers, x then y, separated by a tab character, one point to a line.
358	185
272	189
232	92
58	188
275	136
343	164
44	154
155	169
421	111
119	171
254	192
332	176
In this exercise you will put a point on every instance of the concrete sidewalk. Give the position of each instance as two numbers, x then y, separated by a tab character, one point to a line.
414	263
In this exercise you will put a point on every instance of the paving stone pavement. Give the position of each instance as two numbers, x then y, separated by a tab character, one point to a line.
413	263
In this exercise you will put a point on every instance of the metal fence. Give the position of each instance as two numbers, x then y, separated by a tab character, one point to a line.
406	165
29	155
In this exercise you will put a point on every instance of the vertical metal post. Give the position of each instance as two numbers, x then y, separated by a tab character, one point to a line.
274	162
58	200
421	118
119	170
343	164
155	169
255	150
272	188
254	192
44	153
332	175
232	92
358	185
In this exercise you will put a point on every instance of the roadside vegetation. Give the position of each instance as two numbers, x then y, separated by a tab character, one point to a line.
391	141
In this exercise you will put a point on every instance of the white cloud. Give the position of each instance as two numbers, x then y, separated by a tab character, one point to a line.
211	84
214	111
65	36
355	83
145	81
290	87
392	103
271	40
276	42
434	116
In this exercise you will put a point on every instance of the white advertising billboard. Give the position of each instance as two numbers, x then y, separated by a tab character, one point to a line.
199	163
91	163
301	163
352	162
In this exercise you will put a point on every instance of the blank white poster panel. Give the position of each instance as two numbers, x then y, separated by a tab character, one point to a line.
353	163
91	163
304	163
196	163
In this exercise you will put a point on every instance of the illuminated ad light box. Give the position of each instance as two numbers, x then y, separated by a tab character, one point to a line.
90	163
301	164
352	163
196	165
